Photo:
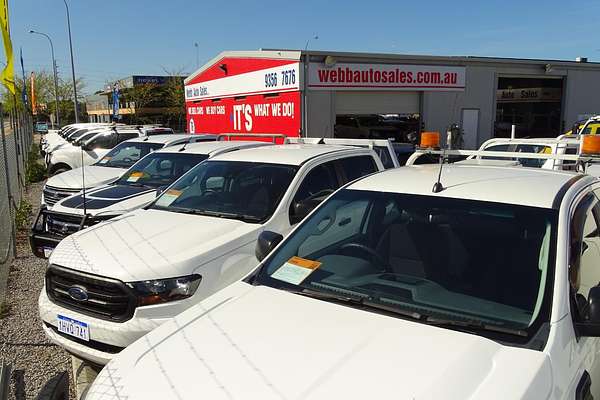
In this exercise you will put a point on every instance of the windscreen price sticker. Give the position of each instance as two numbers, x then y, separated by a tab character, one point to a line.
296	270
105	160
168	197
135	176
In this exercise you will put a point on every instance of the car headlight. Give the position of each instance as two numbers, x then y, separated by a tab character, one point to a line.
164	290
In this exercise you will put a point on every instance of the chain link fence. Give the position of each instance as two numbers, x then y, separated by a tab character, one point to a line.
16	131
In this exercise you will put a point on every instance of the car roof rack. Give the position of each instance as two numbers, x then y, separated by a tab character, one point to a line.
251	136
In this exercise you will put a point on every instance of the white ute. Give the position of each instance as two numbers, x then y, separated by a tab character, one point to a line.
485	290
111	166
135	188
110	284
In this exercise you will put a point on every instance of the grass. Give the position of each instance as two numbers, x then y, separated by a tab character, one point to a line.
22	215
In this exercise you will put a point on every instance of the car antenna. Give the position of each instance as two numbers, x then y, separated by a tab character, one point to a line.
83	181
437	186
185	144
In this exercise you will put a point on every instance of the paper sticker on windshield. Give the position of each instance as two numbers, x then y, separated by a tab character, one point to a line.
296	270
134	176
105	160
168	197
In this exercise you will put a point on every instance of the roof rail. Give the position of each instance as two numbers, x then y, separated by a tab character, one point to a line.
250	136
581	161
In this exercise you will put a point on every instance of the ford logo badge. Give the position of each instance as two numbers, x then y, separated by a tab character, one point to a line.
78	293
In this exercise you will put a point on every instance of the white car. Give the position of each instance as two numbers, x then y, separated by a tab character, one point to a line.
111	166
135	188
59	136
92	146
120	279
485	290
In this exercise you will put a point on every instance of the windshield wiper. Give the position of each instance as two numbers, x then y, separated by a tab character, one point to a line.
474	324
360	300
221	214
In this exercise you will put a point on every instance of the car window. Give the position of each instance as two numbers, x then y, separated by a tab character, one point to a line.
123	136
126	154
355	167
584	268
249	191
104	141
441	257
160	169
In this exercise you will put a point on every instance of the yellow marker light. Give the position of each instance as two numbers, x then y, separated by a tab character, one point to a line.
430	140
590	145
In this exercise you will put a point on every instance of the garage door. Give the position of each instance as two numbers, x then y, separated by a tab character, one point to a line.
360	102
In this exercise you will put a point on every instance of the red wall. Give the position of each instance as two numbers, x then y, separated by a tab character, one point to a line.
278	113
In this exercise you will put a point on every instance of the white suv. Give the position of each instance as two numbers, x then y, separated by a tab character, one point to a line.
487	289
135	188
110	284
111	166
93	145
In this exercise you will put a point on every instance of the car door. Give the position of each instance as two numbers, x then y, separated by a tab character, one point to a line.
584	273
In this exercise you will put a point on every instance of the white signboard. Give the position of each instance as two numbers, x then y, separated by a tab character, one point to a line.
385	77
277	79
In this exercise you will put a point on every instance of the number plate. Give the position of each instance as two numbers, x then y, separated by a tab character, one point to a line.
47	251
73	327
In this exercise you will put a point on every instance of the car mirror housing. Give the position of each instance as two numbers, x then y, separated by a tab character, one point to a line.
266	242
591	326
302	208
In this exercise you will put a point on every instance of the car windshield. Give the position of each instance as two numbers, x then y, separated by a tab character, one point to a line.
433	258
80	133
127	153
77	141
160	169
249	191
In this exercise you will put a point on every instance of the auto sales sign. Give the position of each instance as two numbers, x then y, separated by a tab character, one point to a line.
385	77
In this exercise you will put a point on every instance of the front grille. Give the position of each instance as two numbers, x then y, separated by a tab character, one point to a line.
108	299
52	195
104	347
62	224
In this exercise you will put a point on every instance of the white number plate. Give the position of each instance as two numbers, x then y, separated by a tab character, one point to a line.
73	327
47	252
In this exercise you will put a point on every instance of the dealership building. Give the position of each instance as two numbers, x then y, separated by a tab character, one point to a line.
335	94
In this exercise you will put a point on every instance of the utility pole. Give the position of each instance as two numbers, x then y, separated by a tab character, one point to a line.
55	74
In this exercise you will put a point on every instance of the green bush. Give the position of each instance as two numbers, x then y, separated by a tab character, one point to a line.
22	214
36	172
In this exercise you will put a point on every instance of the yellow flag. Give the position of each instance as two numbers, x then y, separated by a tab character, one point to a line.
7	77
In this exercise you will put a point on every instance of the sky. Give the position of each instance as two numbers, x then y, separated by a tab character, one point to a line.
113	39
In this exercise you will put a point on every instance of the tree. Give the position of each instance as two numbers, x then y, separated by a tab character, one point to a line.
45	97
175	101
139	97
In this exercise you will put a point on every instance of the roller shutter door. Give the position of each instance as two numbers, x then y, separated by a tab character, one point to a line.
373	102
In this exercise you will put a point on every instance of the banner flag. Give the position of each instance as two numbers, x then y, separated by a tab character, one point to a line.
7	77
24	92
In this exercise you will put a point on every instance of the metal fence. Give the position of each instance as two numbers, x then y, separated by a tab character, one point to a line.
16	131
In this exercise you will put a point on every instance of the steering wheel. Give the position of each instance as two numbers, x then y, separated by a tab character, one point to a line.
127	160
367	250
320	193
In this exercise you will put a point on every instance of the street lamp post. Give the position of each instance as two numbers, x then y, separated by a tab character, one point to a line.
54	71
72	65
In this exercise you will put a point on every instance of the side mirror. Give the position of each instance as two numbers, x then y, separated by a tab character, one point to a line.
86	147
591	326
302	208
593	308
266	242
159	190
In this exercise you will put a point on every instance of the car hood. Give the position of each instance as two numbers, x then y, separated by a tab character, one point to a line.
152	244
107	200
94	176
261	343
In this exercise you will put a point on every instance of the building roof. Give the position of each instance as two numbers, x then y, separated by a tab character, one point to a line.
290	154
513	185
